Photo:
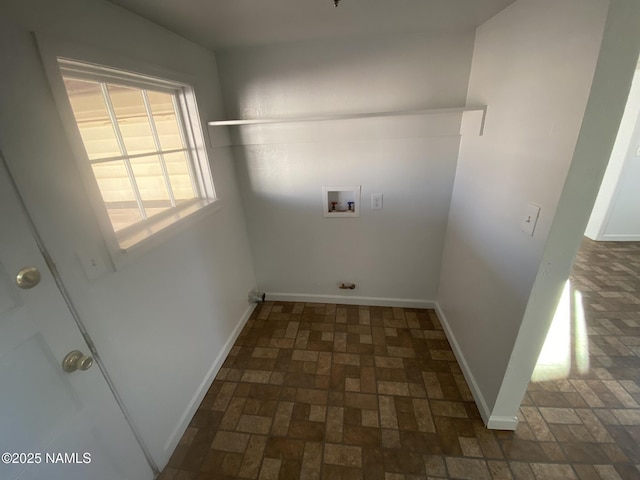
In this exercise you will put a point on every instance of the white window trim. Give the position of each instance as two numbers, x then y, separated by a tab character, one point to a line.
135	241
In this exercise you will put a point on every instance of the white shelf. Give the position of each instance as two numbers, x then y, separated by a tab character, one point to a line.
327	118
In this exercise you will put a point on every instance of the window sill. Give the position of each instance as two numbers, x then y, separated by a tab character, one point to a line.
136	241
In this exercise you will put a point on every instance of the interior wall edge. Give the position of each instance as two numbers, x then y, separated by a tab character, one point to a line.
501	423
612	81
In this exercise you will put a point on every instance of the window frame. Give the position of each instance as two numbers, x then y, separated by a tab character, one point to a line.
98	65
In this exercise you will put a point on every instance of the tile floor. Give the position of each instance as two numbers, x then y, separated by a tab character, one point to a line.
315	391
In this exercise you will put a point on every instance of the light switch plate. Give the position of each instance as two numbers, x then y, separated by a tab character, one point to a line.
93	262
376	201
530	219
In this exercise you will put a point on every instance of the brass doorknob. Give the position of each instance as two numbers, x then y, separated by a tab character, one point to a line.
28	277
76	360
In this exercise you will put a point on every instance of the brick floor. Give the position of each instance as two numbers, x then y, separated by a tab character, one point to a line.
315	391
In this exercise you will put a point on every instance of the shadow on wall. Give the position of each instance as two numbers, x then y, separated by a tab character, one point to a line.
345	76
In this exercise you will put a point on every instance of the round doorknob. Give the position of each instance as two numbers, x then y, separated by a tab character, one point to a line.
76	360
28	277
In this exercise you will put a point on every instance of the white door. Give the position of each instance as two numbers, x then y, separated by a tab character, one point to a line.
53	424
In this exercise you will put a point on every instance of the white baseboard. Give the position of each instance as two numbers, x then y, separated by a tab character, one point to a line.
620	238
502	423
491	422
204	386
350	300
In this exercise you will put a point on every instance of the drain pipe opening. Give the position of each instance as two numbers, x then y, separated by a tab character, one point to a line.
256	297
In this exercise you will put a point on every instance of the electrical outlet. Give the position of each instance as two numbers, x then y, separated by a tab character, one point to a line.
376	201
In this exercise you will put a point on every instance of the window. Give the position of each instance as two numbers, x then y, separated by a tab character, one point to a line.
139	134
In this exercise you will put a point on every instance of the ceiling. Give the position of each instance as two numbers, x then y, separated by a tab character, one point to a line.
220	24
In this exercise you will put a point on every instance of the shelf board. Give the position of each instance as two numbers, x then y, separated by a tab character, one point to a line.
327	118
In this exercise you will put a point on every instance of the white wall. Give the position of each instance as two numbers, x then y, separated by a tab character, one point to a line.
624	219
161	322
609	91
392	255
533	66
615	215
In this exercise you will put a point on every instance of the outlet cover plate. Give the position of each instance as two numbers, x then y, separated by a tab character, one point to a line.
93	262
530	219
376	201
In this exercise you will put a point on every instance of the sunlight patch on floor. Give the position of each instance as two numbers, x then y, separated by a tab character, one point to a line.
566	341
581	339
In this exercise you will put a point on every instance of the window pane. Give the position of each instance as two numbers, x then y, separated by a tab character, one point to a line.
128	123
92	118
151	184
179	176
117	193
132	119
166	121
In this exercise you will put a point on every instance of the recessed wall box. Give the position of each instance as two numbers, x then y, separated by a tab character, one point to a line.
341	202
